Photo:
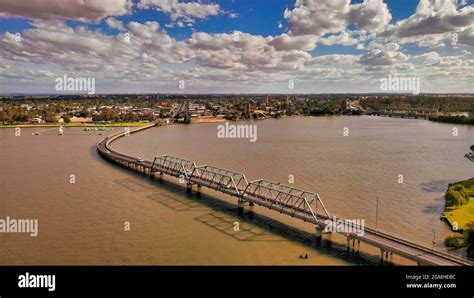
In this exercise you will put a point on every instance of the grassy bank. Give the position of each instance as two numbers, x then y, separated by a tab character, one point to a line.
459	207
121	124
453	119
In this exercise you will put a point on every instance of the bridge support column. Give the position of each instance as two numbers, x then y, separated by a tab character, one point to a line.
319	233
382	255
241	203
189	187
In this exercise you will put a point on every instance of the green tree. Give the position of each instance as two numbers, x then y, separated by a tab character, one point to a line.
67	119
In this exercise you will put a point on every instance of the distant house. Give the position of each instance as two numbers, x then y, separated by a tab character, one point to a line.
465	114
37	120
81	119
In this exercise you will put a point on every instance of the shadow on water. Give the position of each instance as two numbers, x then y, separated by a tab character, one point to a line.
437	207
269	225
436	185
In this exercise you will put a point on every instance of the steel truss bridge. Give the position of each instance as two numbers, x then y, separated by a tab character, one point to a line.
304	205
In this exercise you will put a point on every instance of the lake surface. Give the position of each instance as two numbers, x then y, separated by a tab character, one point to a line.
83	223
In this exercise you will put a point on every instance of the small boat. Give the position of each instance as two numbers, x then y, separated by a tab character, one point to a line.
470	156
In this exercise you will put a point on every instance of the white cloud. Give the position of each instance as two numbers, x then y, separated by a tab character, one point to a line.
433	22
185	11
146	30
312	17
388	54
113	23
321	17
287	42
372	15
467	36
86	10
341	39
235	61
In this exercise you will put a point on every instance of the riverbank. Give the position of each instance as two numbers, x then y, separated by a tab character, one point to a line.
459	207
453	119
121	124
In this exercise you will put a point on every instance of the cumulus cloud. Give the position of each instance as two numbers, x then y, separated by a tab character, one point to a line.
372	15
247	52
229	61
312	17
146	30
287	42
466	36
321	17
113	23
185	11
344	39
433	21
386	55
85	10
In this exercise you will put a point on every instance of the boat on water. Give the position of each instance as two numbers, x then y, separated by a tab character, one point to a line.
95	129
470	156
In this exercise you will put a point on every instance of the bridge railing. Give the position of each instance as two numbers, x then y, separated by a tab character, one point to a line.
220	179
174	166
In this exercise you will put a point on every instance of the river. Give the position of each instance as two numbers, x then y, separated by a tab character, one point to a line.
86	222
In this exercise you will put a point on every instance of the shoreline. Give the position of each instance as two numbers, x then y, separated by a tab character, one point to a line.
121	124
458	217
207	120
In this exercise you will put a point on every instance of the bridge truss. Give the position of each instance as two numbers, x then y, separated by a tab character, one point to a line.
219	179
286	199
174	166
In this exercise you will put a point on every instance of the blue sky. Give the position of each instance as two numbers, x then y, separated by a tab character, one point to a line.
255	17
324	45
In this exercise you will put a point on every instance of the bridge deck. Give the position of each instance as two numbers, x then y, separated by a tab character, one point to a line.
297	203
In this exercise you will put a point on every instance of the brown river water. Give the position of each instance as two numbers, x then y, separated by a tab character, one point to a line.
83	222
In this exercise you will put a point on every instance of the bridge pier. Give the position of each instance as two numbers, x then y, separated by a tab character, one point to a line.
319	233
241	203
384	256
189	187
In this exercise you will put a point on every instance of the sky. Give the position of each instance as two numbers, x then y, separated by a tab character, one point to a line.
236	46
